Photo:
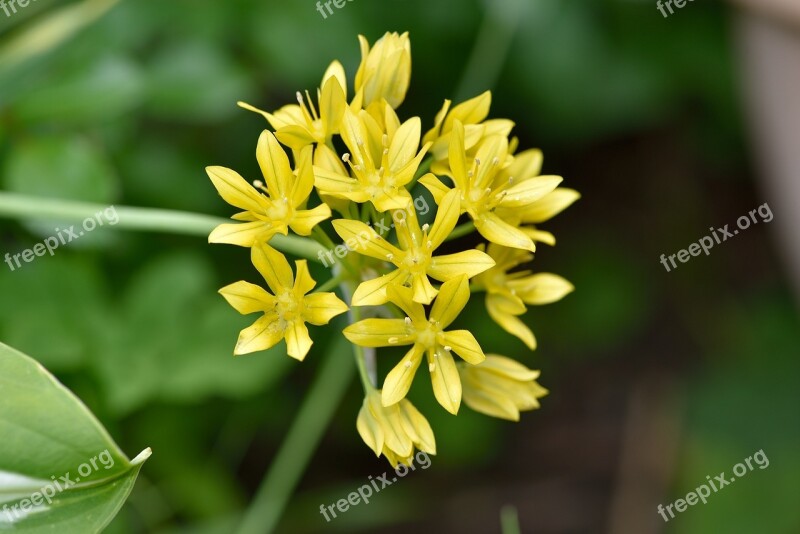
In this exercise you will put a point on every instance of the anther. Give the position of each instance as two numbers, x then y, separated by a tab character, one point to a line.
431	367
346	157
426	227
393	340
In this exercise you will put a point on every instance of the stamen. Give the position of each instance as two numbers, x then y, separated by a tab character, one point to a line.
408	365
426	227
393	340
346	157
448	348
390	257
408	320
431	367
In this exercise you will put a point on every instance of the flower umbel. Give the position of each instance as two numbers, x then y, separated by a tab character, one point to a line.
286	310
405	285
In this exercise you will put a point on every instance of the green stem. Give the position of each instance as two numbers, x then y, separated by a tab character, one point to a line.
421	171
27	207
302	440
330	284
509	520
461	230
358	352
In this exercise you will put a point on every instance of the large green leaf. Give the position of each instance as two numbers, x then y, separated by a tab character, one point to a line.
60	471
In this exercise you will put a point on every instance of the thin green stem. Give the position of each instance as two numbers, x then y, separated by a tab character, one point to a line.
358	352
330	284
421	171
461	230
509	520
27	207
323	238
303	438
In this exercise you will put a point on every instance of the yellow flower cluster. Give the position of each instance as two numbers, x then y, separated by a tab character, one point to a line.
358	159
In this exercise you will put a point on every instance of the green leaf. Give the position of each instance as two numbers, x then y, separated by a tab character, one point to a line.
60	471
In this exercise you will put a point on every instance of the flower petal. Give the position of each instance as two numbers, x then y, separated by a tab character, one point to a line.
274	165
399	379
435	186
445	380
458	157
404	144
549	206
507	367
465	345
364	240
235	190
294	136
261	335
541	288
403	298
470	111
525	193
416	426
498	231
304	221
379	333
374	292
332	104
499	406
320	308
467	262
453	296
247	298
369	429
273	266
510	323
424	292
242	234
446	218
298	342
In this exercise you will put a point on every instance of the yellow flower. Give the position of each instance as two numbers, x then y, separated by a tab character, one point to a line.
501	387
414	259
490	190
383	161
286	309
472	114
427	335
394	430
385	70
507	293
279	208
299	125
540	211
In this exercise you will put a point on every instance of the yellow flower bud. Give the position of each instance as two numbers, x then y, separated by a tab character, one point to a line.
500	387
385	70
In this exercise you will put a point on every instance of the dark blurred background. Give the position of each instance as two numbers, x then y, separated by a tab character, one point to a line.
667	126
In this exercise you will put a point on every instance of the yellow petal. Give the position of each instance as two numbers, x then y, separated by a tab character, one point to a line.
294	136
379	333
374	292
424	292
320	308
399	379
244	234
247	298
452	298
298	342
235	190
369	429
498	231
327	160
434	132
335	70
332	104
333	182
542	288
446	382
549	206
525	165
540	235
273	266
404	144
274	165
416	426
261	335
435	186
396	438
465	345
446	218
303	283
511	324
458	157
364	240
403	298
525	193
507	367
486	403
304	184
468	262
304	221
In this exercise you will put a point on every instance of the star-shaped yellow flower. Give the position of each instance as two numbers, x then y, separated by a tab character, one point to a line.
286	309
414	259
508	292
385	71
278	207
427	335
299	125
394	430
489	188
382	160
472	114
500	387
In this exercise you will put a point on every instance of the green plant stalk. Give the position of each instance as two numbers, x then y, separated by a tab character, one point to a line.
461	230
26	207
304	436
